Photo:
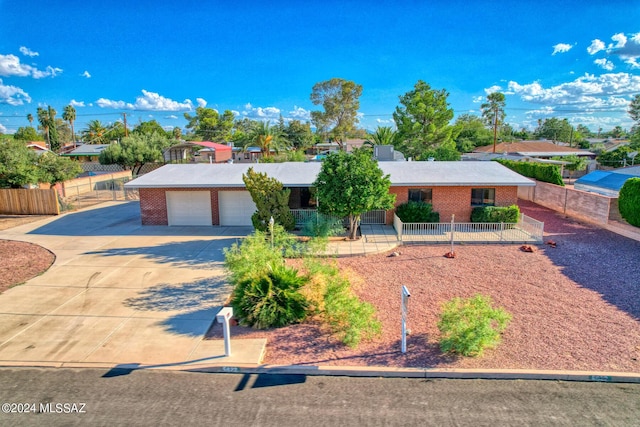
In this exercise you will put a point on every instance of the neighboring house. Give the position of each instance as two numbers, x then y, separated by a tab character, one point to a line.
246	154
38	146
607	183
86	152
536	149
199	194
198	151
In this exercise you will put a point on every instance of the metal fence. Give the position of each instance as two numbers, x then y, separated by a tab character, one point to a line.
78	196
526	230
303	216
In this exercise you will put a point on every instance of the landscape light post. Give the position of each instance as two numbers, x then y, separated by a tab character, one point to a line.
271	222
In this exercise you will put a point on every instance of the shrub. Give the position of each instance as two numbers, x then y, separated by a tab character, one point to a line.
323	226
540	171
271	300
413	211
468	326
348	317
509	214
629	201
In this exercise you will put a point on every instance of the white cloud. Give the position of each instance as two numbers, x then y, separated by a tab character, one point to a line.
607	91
596	46
477	99
299	113
2	128
544	111
149	101
633	62
75	103
13	95
10	65
86	74
172	116
492	89
259	113
385	121
561	48
604	63
28	52
620	40
201	102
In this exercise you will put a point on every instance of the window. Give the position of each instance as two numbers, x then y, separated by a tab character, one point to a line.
420	195
483	196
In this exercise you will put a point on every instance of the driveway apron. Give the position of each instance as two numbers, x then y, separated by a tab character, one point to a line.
118	293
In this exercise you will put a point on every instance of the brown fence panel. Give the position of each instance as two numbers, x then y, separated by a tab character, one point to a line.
18	201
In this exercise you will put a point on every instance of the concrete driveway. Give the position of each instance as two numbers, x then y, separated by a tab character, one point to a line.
120	294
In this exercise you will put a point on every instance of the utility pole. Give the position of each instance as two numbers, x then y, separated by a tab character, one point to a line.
126	132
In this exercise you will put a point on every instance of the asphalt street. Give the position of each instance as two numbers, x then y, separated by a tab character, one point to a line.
57	397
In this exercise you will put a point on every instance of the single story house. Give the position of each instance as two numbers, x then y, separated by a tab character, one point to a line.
203	194
538	149
197	151
607	183
86	152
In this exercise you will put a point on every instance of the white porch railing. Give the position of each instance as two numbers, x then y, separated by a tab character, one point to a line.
526	230
303	216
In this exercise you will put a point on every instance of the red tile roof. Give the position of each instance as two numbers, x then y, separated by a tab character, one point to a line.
214	145
526	146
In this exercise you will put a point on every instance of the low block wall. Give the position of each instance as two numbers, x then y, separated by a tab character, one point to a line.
590	207
87	184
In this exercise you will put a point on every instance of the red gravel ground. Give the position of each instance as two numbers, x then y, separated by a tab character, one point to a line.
574	307
21	261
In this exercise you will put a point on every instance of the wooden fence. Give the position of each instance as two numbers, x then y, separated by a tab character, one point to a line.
20	201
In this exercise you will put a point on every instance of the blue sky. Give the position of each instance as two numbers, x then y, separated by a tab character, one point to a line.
158	60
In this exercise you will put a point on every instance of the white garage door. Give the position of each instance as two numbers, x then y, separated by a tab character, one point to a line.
189	207
236	207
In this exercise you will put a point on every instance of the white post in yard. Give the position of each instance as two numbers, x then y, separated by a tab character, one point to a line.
404	308
452	226
223	317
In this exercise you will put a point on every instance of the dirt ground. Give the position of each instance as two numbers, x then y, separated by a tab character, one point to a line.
21	261
575	306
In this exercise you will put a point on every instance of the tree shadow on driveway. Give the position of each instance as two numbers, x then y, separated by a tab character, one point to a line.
192	254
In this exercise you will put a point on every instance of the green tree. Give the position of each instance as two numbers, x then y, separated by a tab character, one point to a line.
629	201
135	151
95	133
27	134
43	119
267	138
207	124
493	113
150	127
349	185
445	152
30	118
470	133
271	199
340	100
176	133
422	120
383	135
18	165
69	114
54	138
55	169
298	134
576	163
555	130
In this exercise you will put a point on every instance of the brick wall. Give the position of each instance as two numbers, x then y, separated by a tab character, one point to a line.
456	201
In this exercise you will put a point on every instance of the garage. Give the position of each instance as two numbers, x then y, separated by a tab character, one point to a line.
189	207
236	207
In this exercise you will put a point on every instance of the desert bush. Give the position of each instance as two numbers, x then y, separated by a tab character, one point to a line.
272	299
413	211
350	319
469	326
510	214
629	201
323	226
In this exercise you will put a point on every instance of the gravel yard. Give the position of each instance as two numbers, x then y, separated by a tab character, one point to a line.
574	307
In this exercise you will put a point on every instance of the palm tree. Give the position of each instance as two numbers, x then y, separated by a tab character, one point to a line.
493	113
383	135
30	118
43	119
266	138
69	114
95	132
